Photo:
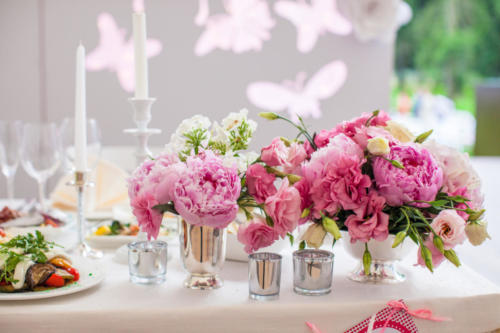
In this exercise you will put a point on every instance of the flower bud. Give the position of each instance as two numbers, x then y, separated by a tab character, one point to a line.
378	146
452	257
331	227
400	236
400	132
314	235
438	243
427	256
293	178
367	261
286	141
305	212
476	232
268	115
422	137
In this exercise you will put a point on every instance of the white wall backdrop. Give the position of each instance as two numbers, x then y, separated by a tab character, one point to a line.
37	56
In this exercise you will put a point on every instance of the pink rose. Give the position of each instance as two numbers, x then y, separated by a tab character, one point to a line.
260	183
296	155
420	179
207	192
148	218
256	235
450	227
275	154
335	176
369	221
284	208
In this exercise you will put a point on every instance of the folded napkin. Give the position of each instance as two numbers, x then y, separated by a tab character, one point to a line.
110	189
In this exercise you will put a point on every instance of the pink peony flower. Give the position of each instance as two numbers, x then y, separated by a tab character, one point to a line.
260	183
284	208
335	178
420	179
148	218
256	235
207	192
450	227
296	155
437	256
275	154
369	221
136	180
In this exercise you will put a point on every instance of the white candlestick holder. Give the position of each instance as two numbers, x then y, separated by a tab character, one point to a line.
142	117
80	182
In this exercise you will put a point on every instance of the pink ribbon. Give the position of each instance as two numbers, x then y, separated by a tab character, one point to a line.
419	313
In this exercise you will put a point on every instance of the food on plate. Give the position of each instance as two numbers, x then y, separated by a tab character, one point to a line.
14	218
117	228
7	214
30	263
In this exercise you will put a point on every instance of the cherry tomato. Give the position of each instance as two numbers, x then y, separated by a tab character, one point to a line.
51	223
3	283
55	281
74	272
2	233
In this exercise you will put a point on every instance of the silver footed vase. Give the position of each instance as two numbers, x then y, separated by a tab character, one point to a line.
203	252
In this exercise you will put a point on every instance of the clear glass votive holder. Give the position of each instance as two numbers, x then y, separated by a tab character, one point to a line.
312	272
264	275
147	262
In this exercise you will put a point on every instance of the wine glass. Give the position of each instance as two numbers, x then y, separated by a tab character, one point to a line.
10	143
41	154
67	132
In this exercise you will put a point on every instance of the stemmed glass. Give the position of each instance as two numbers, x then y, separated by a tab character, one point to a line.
10	144
41	154
67	131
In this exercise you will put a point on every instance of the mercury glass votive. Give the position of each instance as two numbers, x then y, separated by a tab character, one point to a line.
147	262
264	275
312	272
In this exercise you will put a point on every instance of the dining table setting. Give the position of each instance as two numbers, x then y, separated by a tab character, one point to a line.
361	226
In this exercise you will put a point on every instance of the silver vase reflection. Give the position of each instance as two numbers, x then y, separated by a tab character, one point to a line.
203	251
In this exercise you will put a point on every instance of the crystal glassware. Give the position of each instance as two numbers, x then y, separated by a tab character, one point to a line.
10	145
264	275
41	154
67	132
312	272
147	262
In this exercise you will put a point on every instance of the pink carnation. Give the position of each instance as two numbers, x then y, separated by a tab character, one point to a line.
369	221
260	183
256	235
295	156
207	192
335	177
302	187
420	179
148	218
275	154
284	208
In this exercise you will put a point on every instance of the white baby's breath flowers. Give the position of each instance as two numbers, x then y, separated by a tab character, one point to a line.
378	146
235	119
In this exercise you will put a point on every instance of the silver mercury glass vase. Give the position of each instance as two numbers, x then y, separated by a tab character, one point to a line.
203	251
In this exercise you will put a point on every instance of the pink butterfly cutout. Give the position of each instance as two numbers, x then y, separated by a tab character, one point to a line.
297	99
313	20
116	54
244	27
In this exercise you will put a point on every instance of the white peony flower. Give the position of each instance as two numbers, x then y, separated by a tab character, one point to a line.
375	19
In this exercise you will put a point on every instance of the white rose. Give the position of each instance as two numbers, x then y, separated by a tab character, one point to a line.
399	132
378	146
375	19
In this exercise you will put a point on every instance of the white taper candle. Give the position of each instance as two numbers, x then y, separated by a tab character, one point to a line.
141	62
80	112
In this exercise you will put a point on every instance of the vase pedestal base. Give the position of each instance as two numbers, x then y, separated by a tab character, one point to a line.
203	282
384	272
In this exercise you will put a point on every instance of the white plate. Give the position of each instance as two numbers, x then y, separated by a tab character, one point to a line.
90	276
114	242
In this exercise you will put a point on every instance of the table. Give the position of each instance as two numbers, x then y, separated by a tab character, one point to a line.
116	305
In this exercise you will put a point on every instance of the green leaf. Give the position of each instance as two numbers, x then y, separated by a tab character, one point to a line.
291	238
302	245
331	226
422	137
397	164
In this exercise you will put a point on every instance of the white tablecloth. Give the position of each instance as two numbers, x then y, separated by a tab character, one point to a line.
471	300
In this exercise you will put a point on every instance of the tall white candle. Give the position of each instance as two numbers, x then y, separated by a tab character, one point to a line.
141	62
80	112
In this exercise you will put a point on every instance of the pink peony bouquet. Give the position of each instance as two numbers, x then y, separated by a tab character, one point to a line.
198	177
370	177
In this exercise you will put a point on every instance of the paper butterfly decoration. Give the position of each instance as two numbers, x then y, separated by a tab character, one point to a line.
244	27
313	20
115	53
295	97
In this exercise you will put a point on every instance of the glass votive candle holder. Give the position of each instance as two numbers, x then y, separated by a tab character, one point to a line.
312	272
264	275
147	262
